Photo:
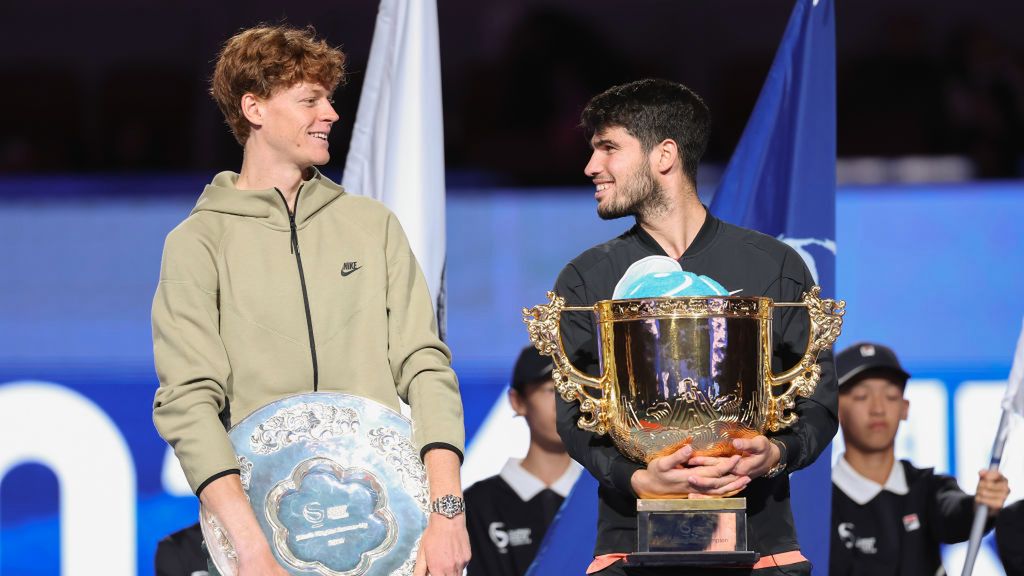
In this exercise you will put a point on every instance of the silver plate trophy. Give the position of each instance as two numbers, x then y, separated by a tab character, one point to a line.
336	484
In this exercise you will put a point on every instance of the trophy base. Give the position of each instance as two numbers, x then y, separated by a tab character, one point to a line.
743	559
698	532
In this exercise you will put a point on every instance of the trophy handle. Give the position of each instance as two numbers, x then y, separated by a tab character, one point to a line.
543	323
826	323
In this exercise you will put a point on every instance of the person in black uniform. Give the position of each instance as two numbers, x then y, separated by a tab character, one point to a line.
647	138
889	517
509	514
181	553
1009	536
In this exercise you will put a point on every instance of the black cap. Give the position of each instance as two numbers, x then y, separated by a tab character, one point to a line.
530	367
864	356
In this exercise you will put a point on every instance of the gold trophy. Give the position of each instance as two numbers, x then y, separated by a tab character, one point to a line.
686	371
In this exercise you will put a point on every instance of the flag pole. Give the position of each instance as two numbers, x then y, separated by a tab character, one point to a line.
1013	403
981	513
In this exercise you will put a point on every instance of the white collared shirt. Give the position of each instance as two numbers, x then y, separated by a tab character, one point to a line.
526	485
862	490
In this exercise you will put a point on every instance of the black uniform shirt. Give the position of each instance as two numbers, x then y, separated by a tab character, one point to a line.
507	516
181	553
896	528
747	263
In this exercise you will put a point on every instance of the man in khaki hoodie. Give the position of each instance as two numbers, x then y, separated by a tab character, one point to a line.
280	283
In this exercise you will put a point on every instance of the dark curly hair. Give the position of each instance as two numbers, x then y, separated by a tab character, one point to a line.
652	111
266	58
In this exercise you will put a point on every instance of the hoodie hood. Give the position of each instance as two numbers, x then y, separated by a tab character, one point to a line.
222	195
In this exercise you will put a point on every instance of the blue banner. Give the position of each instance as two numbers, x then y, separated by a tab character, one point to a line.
781	181
74	323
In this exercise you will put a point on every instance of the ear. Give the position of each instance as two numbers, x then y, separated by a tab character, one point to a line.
904	409
252	109
517	402
665	155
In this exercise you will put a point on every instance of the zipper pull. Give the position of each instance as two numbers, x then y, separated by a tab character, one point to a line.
295	235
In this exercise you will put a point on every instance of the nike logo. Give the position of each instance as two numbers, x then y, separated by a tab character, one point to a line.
349	268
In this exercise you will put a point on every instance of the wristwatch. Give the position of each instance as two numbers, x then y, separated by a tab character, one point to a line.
781	465
448	506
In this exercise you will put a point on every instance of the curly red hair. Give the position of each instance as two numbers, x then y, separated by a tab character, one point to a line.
266	58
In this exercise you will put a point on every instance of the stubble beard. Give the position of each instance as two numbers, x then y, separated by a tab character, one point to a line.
639	195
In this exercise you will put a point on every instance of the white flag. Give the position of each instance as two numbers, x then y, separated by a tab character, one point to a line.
1014	399
397	149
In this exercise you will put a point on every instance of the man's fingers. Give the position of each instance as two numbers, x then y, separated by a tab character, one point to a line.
707	484
755	445
741	444
675	459
991	478
421	564
704	461
735	486
727	465
993	503
749	464
993	492
713	465
718	486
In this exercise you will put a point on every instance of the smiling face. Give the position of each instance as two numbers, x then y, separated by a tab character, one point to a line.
294	123
623	178
870	412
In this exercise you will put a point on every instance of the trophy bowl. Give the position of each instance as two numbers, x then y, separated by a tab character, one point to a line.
683	371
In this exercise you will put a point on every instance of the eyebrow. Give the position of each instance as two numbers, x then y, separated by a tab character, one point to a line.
602	143
314	90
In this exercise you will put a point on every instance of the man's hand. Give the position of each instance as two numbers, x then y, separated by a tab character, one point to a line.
226	499
680	475
759	455
992	490
444	548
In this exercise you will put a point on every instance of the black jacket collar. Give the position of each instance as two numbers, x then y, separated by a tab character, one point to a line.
700	242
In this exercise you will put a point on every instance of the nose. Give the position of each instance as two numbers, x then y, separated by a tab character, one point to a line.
594	166
329	113
876	405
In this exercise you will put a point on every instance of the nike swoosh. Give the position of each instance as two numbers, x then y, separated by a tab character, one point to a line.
349	271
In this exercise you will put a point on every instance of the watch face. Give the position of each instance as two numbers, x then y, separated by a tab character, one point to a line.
449	506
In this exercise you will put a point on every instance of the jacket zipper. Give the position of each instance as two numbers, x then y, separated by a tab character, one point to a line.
302	279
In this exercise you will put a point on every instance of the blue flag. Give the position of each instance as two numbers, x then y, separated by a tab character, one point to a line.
568	545
781	181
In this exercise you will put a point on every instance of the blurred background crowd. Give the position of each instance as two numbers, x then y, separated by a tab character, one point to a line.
121	86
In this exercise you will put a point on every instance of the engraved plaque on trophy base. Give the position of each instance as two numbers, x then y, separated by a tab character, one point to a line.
697	532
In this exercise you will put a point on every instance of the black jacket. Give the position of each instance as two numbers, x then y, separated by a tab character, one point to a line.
739	259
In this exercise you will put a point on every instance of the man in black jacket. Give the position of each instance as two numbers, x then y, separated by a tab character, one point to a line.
647	138
889	517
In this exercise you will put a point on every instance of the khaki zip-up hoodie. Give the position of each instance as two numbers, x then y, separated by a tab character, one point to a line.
230	318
